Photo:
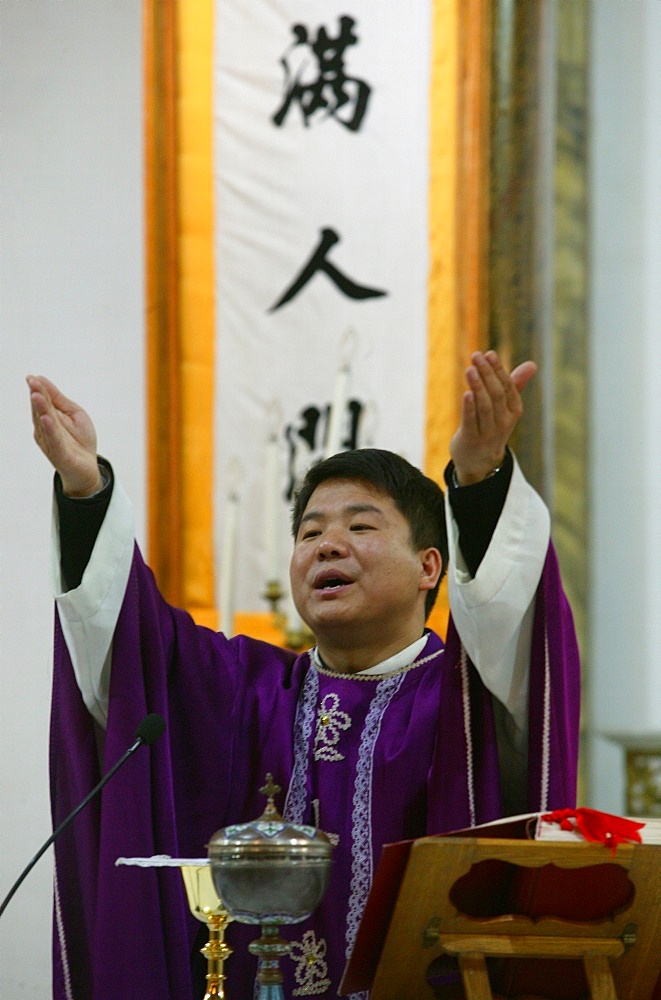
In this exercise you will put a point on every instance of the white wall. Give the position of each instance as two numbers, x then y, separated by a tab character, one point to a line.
625	596
651	238
71	307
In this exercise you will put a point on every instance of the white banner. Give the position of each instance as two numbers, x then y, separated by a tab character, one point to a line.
321	179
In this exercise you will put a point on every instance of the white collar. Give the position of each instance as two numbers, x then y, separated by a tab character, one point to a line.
392	663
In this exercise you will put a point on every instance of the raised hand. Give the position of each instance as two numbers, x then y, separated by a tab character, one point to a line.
491	408
66	435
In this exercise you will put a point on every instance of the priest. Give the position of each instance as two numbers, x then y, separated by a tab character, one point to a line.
381	731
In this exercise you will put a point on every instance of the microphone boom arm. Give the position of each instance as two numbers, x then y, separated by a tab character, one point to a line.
148	730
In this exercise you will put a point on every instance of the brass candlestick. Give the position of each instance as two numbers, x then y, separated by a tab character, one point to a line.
295	632
206	906
298	637
274	594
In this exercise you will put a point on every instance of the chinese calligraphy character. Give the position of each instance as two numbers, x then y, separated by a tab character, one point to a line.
318	262
323	90
306	440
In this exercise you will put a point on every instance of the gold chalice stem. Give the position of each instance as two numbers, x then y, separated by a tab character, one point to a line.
206	906
216	952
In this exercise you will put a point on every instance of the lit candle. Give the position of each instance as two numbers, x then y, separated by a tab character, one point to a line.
272	509
228	564
338	407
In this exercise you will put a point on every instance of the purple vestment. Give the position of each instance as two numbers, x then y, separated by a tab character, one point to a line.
369	760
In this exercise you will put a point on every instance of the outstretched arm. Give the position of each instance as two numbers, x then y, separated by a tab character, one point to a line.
88	602
491	408
66	435
497	602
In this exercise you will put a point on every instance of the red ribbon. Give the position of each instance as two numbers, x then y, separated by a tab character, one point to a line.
597	827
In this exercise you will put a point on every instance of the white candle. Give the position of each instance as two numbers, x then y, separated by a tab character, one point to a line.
294	620
272	509
228	564
338	407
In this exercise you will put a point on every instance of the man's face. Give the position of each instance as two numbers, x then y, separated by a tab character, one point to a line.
355	577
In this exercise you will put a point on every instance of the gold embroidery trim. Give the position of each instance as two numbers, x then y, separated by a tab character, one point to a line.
311	971
372	677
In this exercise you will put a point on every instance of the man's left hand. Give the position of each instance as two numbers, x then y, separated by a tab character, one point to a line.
490	410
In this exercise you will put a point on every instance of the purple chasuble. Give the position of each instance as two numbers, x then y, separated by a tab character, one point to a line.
370	760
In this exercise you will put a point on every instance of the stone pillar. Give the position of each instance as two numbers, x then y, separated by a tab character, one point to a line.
521	210
538	257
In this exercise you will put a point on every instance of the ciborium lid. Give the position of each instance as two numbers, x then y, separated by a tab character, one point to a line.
270	869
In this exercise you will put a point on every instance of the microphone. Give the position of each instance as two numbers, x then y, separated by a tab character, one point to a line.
149	730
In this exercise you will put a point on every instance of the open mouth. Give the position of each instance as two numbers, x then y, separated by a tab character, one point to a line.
328	584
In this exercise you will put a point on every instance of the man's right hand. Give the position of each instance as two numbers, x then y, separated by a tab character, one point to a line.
66	435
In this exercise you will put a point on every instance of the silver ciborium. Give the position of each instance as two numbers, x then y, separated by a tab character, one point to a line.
270	872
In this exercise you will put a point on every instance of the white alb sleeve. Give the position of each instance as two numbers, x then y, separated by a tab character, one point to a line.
494	610
89	612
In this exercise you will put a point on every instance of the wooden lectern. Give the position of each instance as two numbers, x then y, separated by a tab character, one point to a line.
553	891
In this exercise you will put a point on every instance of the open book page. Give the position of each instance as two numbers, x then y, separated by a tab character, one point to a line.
536	826
649	832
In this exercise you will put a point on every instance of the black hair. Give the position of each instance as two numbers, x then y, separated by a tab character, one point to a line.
417	497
